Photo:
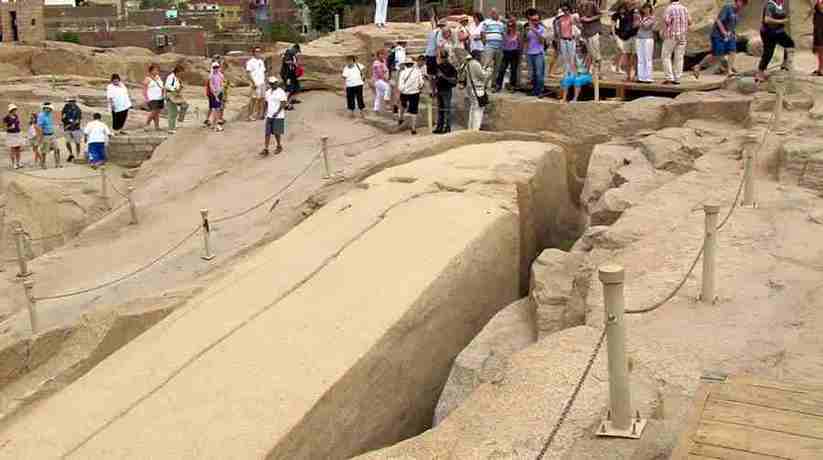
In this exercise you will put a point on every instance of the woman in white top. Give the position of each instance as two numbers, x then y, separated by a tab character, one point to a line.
119	101
476	45
410	82
153	94
175	102
353	79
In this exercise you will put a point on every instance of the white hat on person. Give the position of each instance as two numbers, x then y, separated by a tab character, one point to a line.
273	80
12	107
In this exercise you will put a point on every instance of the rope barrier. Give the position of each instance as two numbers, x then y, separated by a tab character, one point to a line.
111	184
364	139
54	179
123	277
270	197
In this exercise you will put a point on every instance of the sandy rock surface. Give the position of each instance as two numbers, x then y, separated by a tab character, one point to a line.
559	286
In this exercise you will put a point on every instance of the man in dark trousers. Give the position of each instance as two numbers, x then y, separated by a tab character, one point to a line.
71	118
445	81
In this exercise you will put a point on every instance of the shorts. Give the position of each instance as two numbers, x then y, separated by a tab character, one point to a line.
257	91
48	144
215	102
410	102
75	136
721	47
156	105
276	126
625	46
593	45
293	85
431	65
14	140
97	152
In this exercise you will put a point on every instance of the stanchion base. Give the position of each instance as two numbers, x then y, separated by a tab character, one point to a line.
24	275
207	257
747	205
634	432
713	302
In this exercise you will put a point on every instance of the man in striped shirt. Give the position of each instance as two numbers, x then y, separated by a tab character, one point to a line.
676	22
491	33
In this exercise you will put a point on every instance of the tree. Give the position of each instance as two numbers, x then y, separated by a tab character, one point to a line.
322	12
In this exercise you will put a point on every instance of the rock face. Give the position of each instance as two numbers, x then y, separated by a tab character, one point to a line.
724	106
132	150
672	149
559	287
485	359
801	163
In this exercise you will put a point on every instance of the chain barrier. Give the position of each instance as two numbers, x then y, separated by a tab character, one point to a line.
570	402
364	139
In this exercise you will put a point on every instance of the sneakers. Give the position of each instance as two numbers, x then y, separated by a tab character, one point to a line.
70	159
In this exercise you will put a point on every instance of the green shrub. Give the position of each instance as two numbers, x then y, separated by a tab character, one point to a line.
70	37
281	32
323	11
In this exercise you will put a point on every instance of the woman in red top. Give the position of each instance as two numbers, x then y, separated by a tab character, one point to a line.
380	80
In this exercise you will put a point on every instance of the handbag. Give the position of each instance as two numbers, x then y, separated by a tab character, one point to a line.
483	100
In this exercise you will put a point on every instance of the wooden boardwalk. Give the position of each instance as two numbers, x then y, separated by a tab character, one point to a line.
623	88
745	418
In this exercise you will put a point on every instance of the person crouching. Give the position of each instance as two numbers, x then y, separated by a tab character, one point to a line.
97	135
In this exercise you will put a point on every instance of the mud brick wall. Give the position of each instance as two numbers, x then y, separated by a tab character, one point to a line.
31	27
131	151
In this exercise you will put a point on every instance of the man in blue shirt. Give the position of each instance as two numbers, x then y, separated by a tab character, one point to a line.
45	130
723	38
431	48
491	33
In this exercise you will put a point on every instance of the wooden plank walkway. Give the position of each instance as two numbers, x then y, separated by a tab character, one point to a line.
622	88
746	418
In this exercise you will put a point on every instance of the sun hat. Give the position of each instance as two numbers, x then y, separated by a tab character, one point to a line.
409	60
273	80
12	107
47	105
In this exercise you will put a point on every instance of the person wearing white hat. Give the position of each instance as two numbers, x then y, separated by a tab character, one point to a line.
276	102
216	94
14	139
410	82
45	131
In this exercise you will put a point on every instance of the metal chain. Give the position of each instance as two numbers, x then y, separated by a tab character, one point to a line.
344	144
123	277
270	197
570	402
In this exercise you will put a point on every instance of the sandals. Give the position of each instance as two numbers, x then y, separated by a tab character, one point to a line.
817	73
278	150
264	153
696	72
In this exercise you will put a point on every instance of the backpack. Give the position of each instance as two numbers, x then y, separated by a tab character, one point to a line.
391	59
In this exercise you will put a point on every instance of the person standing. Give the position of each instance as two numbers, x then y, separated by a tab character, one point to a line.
432	45
590	30
625	21
14	137
70	117
475	77
464	37
512	49
256	71
492	31
395	67
175	102
380	80
216	93
723	38
411	82
34	140
564	33
97	136
45	132
119	101
276	101
381	8
676	23
153	95
536	52
353	85
817	41
445	82
476	45
773	33
645	44
289	70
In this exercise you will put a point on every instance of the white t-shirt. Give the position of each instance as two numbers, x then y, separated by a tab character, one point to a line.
274	99
119	97
257	69
155	89
97	131
172	83
353	75
399	57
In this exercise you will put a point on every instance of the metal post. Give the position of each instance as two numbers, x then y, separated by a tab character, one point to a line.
336	22
749	158
104	191
324	142
19	234
207	255
31	304
417	11
707	295
596	82
620	422
534	3
430	114
132	206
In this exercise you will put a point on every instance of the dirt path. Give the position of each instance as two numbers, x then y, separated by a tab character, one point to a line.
194	170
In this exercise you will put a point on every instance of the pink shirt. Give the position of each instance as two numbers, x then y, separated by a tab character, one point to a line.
379	70
676	18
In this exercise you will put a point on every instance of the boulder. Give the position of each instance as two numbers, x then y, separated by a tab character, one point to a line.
720	106
590	238
643	113
672	149
801	163
485	359
559	287
604	161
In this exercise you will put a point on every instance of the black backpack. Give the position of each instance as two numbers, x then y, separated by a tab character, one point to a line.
390	59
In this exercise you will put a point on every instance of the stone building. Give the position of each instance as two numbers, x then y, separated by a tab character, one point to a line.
22	21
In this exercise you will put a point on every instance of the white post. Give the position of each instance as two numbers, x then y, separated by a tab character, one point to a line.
132	206
31	304
19	234
534	3
707	295
417	11
325	150
207	255
596	82
104	192
749	185
612	277
430	114
336	22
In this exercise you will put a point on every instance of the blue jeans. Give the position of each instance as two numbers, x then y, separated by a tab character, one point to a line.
537	71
